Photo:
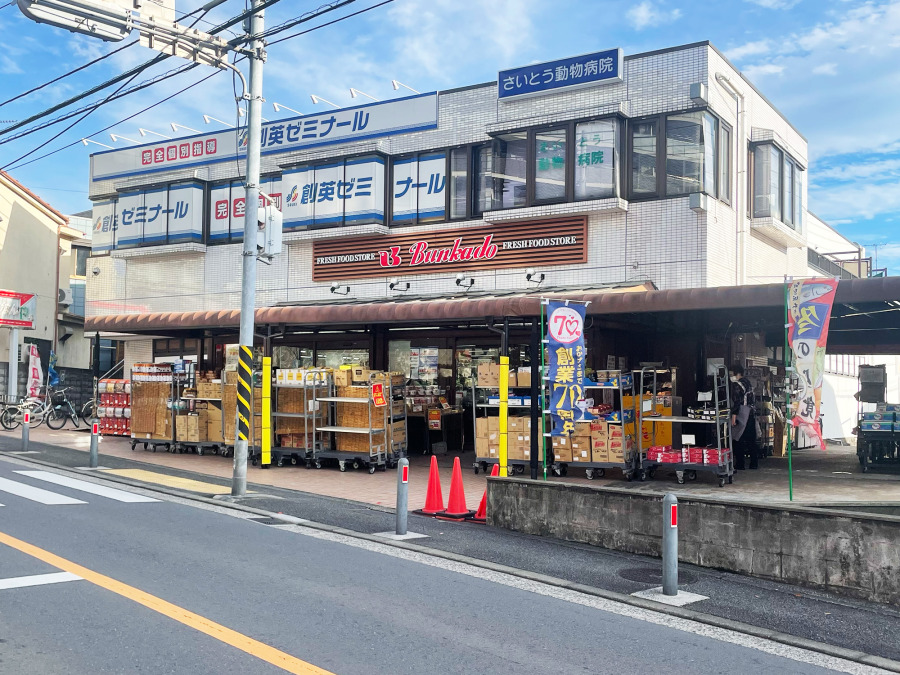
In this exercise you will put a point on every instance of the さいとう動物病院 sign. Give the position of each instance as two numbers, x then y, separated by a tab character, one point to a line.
559	241
604	67
346	125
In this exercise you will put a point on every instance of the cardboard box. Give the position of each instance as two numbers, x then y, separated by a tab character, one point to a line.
515	424
493	425
488	375
615	431
481	447
359	375
527	452
523	377
581	452
562	454
560	442
493	450
515	451
209	390
582	430
511	380
481	427
342	378
599	454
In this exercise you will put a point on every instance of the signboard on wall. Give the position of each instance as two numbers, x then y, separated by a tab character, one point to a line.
418	187
604	67
17	309
339	193
540	243
403	115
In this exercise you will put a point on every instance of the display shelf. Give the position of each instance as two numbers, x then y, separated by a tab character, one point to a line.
289	415
497	386
681	419
351	430
342	399
497	405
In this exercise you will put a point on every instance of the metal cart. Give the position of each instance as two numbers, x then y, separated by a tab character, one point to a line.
314	382
516	466
376	457
724	469
397	449
175	380
623	383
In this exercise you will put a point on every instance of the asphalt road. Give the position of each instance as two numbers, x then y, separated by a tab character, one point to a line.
172	588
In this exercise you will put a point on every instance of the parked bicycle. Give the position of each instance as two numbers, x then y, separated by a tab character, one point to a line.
12	416
61	411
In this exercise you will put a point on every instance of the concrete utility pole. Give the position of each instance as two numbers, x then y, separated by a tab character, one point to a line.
248	279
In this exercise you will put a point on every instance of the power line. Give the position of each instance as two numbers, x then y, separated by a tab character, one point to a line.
287	25
107	128
329	23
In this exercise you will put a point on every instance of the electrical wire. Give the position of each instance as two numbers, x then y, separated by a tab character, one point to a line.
132	116
303	18
329	23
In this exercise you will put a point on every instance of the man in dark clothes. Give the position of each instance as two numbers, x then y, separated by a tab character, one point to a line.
742	394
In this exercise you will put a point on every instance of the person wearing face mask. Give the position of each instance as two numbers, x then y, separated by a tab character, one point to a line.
743	418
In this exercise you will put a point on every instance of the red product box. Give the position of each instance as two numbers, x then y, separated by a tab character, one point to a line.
670	457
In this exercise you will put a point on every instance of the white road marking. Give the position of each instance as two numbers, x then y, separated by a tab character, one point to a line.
680	600
38	580
84	486
35	494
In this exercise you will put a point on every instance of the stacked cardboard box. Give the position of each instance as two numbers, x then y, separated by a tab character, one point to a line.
229	412
611	442
580	443
488	375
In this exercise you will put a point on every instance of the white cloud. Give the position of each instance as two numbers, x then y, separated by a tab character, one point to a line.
757	72
825	69
775	4
749	49
646	14
847	169
8	66
855	201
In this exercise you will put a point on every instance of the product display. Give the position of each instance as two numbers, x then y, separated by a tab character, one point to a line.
114	407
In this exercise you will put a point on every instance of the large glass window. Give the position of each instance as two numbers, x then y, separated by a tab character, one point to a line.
798	198
643	157
510	152
595	159
684	154
459	182
767	182
550	165
725	163
482	157
710	149
788	192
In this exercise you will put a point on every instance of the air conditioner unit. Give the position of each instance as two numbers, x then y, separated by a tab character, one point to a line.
65	297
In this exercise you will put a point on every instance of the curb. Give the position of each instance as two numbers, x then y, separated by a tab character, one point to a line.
660	608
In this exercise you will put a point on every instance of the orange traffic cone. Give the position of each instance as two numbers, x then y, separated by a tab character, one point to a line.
456	504
481	514
434	498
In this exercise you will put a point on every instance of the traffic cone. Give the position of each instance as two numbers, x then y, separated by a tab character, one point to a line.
456	504
434	498
481	514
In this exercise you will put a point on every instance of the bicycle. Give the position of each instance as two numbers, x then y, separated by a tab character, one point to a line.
62	410
14	415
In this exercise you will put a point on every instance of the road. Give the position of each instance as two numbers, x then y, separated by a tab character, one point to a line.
144	583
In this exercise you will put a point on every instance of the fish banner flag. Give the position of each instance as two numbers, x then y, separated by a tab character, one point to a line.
565	328
809	311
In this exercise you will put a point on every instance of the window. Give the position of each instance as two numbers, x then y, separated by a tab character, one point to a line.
550	165
80	255
725	163
767	181
459	183
508	171
643	158
684	154
710	148
418	188
483	181
595	159
798	198
788	193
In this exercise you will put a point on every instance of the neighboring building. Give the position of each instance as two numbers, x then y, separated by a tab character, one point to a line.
74	350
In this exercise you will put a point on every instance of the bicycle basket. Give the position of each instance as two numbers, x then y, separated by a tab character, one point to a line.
58	398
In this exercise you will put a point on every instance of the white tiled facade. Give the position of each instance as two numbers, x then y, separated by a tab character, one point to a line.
661	240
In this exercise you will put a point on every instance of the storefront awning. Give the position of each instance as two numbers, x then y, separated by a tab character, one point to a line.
610	299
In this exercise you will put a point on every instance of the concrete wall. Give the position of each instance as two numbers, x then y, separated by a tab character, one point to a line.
848	553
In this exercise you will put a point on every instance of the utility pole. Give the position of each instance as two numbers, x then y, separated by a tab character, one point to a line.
248	280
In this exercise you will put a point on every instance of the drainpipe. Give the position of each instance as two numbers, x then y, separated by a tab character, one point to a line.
740	252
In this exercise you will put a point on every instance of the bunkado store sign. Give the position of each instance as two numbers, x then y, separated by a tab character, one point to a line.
560	241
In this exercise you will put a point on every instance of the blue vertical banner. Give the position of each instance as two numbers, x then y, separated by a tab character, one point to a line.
565	331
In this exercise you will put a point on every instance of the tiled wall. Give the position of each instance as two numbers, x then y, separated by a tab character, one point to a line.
663	241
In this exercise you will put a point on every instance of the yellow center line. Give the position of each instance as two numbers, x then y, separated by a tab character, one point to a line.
237	640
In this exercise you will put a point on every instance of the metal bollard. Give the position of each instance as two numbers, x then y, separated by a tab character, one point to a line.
95	441
26	430
670	545
402	494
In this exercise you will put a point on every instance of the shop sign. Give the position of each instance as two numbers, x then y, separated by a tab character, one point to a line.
378	395
172	214
543	243
418	187
434	419
565	329
603	67
385	118
809	313
347	192
228	206
17	309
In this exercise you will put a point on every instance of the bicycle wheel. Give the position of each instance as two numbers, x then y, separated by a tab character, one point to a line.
87	411
8	419
39	416
56	417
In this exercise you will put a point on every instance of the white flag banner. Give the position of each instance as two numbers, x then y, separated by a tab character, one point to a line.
35	375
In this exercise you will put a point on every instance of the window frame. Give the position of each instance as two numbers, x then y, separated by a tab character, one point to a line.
389	183
726	162
797	169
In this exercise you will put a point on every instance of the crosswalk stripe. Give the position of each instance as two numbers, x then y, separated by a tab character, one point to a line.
35	494
38	580
84	486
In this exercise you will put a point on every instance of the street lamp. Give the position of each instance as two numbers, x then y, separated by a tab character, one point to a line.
396	85
279	107
144	132
175	127
114	137
85	141
319	99
356	92
104	20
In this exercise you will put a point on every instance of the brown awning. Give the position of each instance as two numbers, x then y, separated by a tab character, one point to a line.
618	299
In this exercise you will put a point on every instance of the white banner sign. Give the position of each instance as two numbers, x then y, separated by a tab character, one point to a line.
17	309
418	187
385	118
35	374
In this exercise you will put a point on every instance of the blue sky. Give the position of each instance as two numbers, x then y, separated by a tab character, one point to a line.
831	66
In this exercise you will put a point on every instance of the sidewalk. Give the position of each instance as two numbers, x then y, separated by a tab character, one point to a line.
801	612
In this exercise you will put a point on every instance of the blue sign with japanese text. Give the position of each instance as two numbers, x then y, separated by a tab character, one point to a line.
603	67
565	330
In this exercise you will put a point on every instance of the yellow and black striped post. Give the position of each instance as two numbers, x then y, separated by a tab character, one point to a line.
245	381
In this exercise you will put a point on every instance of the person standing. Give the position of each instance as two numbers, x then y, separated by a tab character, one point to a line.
743	418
